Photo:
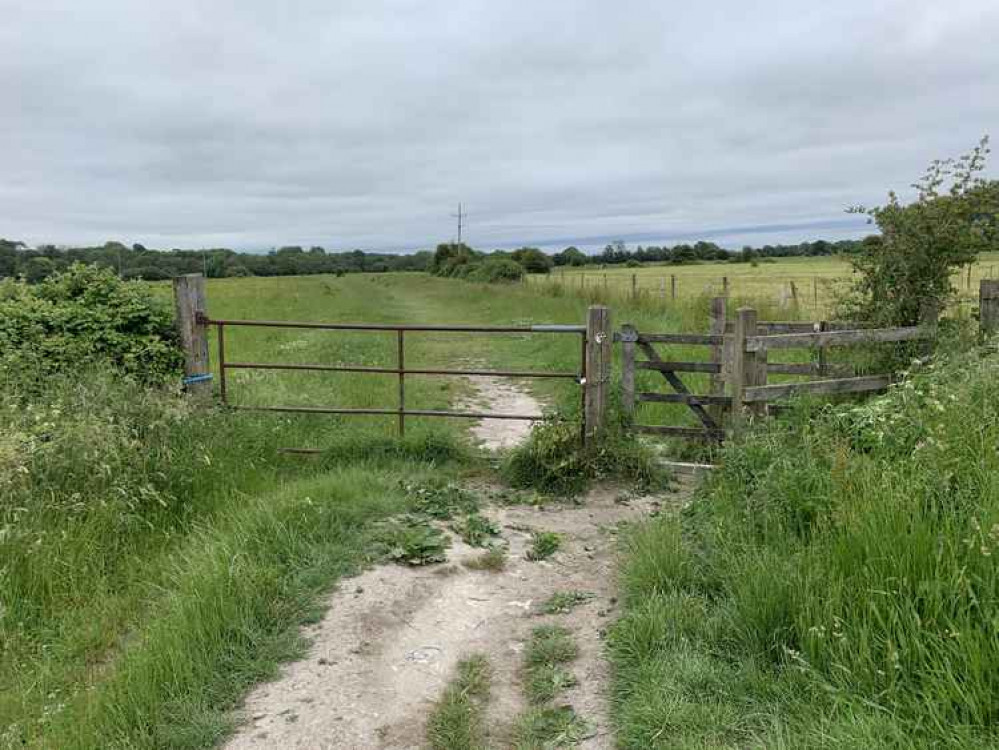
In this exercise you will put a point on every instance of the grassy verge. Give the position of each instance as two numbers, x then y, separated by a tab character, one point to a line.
833	586
457	722
152	572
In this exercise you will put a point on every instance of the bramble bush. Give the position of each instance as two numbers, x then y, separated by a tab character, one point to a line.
85	316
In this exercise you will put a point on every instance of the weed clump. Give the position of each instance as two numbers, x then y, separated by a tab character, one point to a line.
544	544
475	529
553	460
409	541
438	499
565	601
493	559
550	727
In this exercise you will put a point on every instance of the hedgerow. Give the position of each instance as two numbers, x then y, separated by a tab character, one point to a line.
85	316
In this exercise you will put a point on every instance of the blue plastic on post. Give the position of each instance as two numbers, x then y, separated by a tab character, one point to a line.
191	379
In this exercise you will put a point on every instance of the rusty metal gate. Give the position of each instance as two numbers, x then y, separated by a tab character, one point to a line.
399	370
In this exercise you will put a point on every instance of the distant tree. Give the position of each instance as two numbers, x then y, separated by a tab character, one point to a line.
532	259
571	256
449	256
38	269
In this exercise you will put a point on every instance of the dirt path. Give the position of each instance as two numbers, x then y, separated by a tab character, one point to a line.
503	397
392	636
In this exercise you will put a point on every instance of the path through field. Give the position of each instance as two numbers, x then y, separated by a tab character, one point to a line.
392	636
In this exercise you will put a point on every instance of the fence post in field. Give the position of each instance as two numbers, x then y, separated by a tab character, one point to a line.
815	291
743	365
634	286
794	294
717	379
988	306
672	286
599	340
629	336
189	303
725	285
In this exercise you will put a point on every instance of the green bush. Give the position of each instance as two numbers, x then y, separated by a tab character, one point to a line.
495	271
85	316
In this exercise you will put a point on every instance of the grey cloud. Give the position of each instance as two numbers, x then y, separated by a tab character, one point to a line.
363	123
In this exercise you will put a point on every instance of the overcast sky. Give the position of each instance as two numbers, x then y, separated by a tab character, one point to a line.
249	124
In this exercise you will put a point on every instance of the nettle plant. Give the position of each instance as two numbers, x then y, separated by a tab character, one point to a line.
910	264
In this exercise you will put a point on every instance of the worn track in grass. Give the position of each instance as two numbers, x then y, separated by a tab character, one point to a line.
392	636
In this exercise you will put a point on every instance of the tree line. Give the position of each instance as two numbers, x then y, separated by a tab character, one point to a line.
449	259
139	262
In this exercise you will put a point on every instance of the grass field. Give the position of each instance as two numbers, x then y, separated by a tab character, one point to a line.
816	280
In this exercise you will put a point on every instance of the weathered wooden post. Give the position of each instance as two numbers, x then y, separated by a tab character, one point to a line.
634	286
189	301
744	365
988	306
672	286
599	341
717	379
725	285
629	337
822	327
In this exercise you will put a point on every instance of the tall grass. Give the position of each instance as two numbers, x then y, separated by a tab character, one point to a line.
155	559
834	585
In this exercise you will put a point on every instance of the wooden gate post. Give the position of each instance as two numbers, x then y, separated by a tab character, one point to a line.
743	366
189	301
988	306
599	341
629	336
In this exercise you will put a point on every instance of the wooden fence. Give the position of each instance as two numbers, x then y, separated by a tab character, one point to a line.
739	366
